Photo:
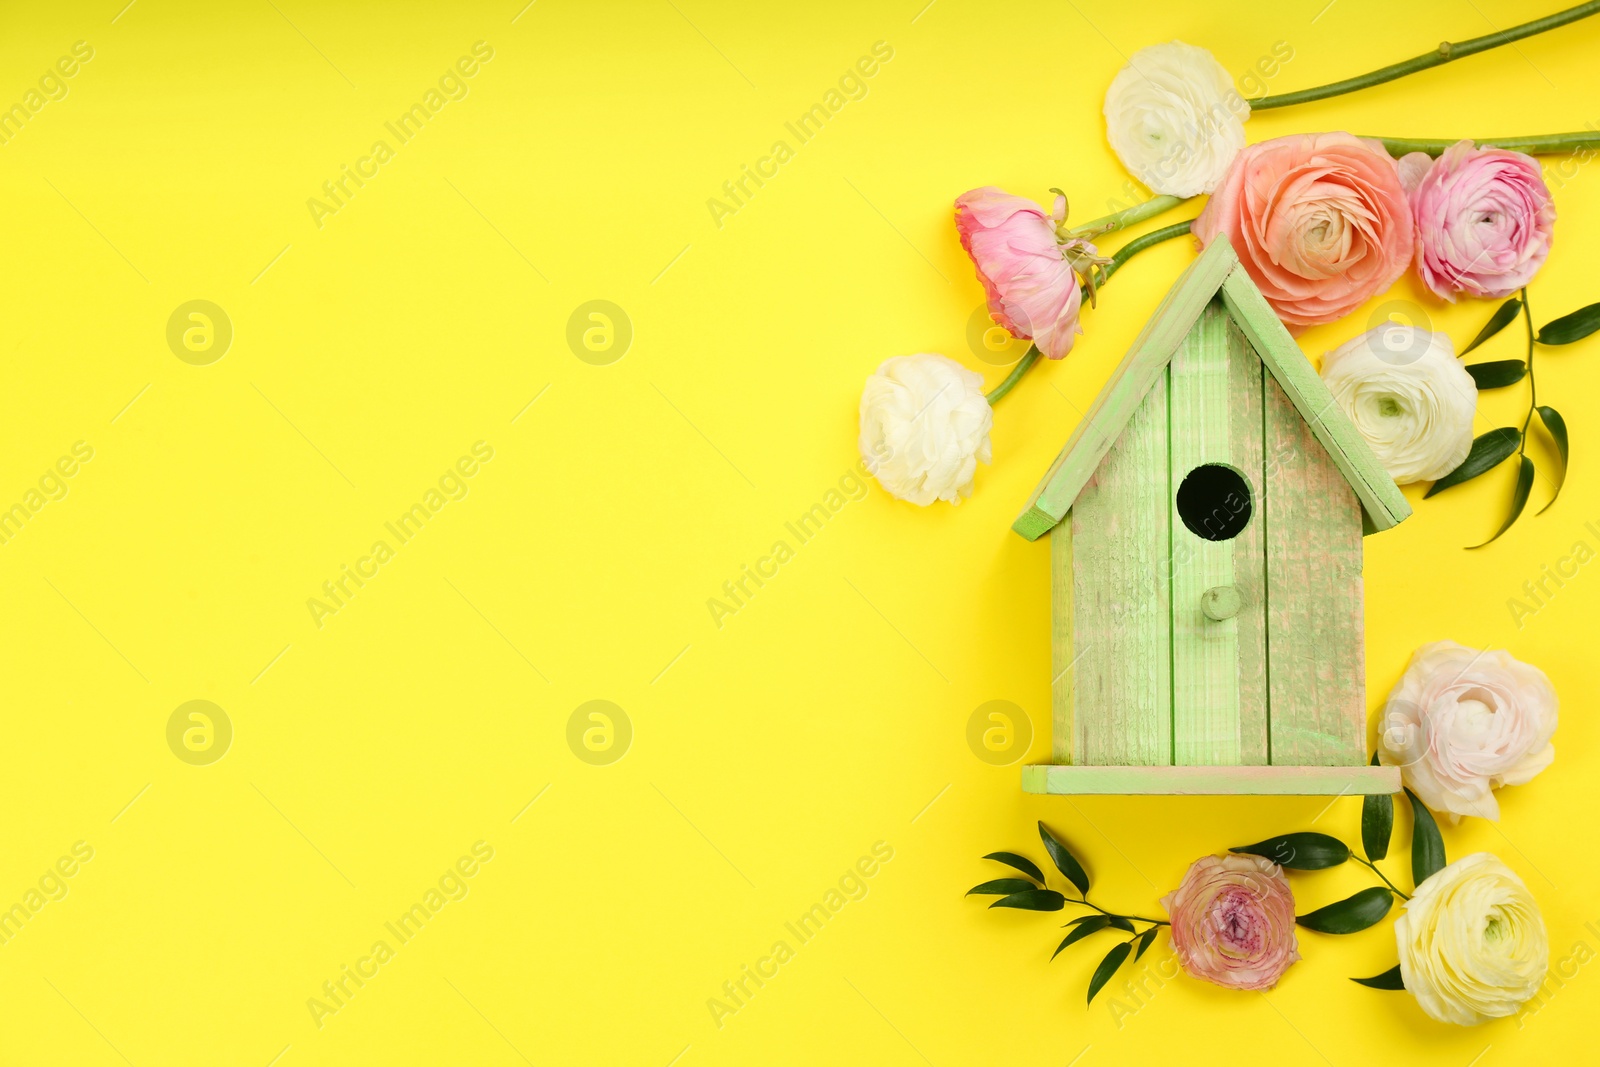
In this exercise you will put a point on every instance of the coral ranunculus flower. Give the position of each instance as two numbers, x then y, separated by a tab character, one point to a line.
1233	921
1320	222
1030	284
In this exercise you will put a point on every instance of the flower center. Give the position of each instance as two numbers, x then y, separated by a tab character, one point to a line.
1389	407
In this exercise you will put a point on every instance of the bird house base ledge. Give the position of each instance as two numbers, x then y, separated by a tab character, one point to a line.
1210	781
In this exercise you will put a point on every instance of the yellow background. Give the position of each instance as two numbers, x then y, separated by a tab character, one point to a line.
768	754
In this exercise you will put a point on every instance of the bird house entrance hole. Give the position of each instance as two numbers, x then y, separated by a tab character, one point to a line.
1214	502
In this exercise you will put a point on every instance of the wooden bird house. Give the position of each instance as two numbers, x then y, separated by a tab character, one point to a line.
1206	521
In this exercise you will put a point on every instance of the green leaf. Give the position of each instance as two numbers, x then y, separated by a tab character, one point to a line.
1086	919
1021	863
1064	860
1487	452
1080	932
1300	852
1107	968
1117	922
1557	426
1519	499
1502	317
1351	914
1002	887
1570	328
1377	822
1498	373
1032	900
1427	846
1389	979
1146	939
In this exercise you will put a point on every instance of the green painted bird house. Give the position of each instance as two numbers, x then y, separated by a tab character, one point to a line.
1206	521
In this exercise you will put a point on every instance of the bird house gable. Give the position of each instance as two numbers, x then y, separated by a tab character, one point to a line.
1215	276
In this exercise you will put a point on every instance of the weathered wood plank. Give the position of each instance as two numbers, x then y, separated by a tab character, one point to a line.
1062	667
1384	503
1317	685
1212	781
1215	390
1245	429
1122	691
1143	365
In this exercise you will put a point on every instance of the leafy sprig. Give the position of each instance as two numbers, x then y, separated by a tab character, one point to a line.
1491	449
1314	852
1033	894
1300	851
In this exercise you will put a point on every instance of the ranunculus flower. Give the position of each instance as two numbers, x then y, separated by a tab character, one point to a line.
1233	921
1484	219
924	427
1174	119
1461	723
1319	221
1026	271
1408	395
1472	943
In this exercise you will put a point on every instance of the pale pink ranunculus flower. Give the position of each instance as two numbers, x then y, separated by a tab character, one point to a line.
1233	921
1030	284
1319	221
1461	723
1484	219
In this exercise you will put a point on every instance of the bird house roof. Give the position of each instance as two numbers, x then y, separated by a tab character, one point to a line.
1217	273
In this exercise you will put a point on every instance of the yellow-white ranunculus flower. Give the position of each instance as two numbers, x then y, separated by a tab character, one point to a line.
1174	118
1472	942
1408	395
925	427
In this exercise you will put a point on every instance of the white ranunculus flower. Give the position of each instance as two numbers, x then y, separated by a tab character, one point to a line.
1408	395
1174	118
1461	723
924	427
1472	943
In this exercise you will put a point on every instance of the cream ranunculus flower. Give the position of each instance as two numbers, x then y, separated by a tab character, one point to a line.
924	427
1472	942
1461	723
1408	395
1174	118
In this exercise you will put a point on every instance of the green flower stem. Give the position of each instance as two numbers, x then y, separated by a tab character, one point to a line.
1127	216
1139	244
1392	887
1533	388
1543	144
1121	256
1445	53
1024	365
1111	914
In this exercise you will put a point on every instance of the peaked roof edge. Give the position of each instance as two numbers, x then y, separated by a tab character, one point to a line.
1383	504
1126	389
1217	270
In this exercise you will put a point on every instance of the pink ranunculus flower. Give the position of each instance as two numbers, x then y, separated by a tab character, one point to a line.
1319	221
1233	921
1484	219
1025	270
1461	723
